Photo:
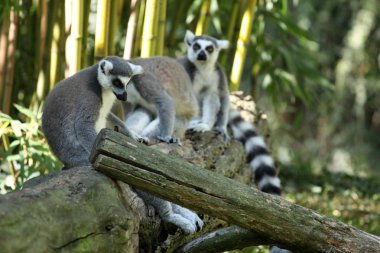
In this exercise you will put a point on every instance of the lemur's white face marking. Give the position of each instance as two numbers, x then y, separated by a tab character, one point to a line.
203	49
117	83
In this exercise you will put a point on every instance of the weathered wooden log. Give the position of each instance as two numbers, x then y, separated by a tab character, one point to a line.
78	210
283	223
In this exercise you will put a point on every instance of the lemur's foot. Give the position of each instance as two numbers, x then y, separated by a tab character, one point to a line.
187	226
223	132
199	127
275	249
169	139
189	215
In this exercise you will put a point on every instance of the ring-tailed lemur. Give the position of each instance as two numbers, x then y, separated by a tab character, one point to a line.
164	90
211	89
78	108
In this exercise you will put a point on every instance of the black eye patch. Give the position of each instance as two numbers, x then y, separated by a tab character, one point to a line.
196	47
210	49
117	83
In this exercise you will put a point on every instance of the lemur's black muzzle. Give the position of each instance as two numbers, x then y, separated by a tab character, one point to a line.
123	96
202	56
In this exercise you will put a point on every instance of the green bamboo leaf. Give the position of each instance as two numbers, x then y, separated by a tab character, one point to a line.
17	128
25	111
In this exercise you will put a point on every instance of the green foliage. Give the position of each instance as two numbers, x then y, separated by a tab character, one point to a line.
284	65
24	152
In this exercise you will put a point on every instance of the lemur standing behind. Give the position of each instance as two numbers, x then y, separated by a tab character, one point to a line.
211	89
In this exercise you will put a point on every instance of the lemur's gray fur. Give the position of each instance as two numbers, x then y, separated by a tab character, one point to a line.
211	88
78	108
164	90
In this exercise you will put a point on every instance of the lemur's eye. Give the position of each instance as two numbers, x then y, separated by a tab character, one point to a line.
196	47
210	49
117	83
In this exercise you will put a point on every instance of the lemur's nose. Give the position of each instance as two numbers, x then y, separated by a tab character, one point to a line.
202	56
123	96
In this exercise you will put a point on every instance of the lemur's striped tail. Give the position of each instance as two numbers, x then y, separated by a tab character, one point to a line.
258	155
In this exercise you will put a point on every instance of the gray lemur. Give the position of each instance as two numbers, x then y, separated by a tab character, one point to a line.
164	90
78	108
211	89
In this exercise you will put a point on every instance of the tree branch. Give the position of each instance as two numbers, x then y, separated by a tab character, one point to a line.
283	223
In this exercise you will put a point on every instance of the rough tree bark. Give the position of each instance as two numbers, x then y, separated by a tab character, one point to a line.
283	223
78	210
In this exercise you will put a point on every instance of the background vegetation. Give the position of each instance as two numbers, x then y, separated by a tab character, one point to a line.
312	66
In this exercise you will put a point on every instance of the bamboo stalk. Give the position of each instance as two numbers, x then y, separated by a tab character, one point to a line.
139	28
131	31
54	54
149	37
115	14
102	28
241	47
161	27
11	50
43	29
41	81
3	55
179	16
76	36
86	15
231	28
204	18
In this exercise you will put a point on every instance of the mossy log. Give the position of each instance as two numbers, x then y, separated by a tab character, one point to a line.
78	210
283	223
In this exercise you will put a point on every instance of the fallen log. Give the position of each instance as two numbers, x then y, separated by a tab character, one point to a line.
281	222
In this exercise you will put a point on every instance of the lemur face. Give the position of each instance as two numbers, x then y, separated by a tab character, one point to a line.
203	49
115	73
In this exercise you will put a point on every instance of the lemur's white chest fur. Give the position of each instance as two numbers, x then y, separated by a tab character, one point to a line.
108	99
206	79
135	98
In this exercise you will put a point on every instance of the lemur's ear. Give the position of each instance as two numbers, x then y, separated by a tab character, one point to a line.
105	66
222	44
189	37
136	69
